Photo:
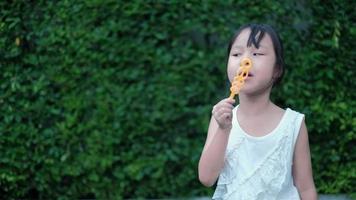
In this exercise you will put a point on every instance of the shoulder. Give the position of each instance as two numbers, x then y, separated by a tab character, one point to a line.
295	111
297	117
299	129
292	115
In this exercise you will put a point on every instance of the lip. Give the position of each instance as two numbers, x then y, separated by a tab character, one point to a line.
249	73
248	76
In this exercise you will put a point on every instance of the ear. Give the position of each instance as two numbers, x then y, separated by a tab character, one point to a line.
278	71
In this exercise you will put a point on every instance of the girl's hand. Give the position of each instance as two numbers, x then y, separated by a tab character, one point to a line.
222	113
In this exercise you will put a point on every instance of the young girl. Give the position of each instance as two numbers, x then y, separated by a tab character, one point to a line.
258	150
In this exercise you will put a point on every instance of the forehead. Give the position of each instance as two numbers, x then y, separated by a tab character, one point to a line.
242	40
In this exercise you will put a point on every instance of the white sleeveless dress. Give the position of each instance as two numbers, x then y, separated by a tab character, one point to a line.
260	168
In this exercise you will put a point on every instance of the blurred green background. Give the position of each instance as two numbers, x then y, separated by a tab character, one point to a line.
112	99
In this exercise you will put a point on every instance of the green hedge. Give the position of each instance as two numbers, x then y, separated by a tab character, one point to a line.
106	99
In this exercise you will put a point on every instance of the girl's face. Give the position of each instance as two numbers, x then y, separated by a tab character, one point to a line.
263	62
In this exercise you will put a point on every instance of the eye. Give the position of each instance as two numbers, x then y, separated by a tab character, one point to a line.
258	54
236	54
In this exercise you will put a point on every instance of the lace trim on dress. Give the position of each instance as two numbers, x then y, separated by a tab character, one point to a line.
266	179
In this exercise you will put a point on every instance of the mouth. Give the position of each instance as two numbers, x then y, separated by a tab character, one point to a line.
246	75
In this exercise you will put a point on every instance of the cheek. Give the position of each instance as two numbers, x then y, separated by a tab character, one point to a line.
232	68
266	65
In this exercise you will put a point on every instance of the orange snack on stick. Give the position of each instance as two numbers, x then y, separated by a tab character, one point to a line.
241	75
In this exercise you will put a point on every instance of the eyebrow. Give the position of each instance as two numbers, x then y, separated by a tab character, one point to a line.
241	47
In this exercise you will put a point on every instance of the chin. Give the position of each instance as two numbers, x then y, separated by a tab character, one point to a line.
254	91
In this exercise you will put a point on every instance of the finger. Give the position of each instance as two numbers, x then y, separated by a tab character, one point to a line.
213	110
220	105
225	110
218	113
222	111
227	105
229	101
226	118
225	101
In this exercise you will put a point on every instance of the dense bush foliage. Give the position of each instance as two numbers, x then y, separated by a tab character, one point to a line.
106	99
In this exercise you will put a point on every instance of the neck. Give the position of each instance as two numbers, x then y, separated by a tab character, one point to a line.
254	104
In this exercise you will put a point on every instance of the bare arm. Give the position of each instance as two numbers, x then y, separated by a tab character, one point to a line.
213	156
302	168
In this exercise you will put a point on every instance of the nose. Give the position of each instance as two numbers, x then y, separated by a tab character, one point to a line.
245	66
246	62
